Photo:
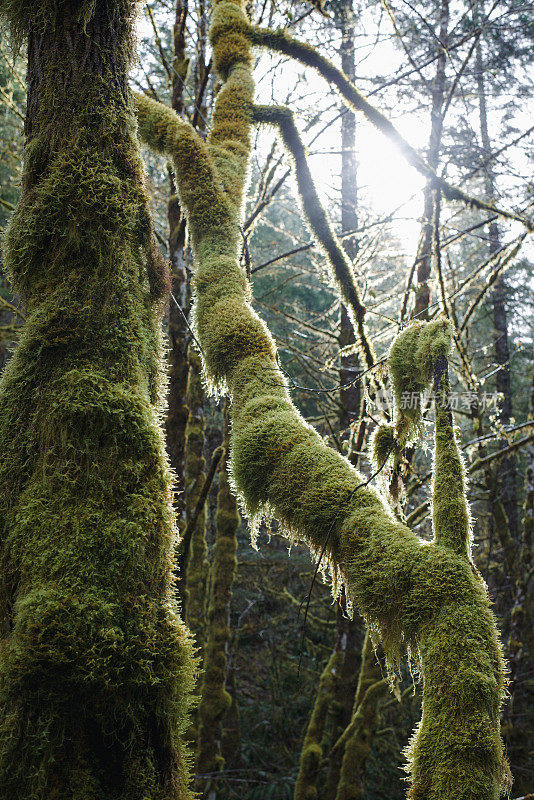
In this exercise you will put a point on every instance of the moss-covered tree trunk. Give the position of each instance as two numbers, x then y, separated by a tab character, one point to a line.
348	644
311	755
351	418
215	701
357	740
95	667
196	574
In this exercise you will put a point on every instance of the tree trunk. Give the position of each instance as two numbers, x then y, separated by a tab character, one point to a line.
430	219
348	645
312	752
519	717
352	426
215	701
507	478
196	574
351	396
95	665
364	724
178	332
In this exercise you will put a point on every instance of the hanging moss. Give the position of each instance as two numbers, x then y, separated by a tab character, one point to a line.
95	665
215	701
426	595
382	444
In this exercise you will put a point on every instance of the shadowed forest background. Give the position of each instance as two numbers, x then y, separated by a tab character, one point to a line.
293	702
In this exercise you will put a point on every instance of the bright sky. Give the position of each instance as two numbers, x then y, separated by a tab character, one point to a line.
386	181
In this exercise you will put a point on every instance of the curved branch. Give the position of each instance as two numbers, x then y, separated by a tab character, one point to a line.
316	215
281	42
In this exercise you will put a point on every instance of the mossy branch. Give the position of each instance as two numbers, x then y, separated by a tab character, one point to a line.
408	590
342	269
229	138
186	539
450	512
280	41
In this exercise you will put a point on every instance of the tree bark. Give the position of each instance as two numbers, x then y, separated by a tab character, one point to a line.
351	396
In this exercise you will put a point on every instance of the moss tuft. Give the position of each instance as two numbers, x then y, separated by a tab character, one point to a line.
411	360
382	444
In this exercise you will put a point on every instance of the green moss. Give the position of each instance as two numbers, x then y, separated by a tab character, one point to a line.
410	592
382	444
451	517
95	667
312	751
411	360
25	16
